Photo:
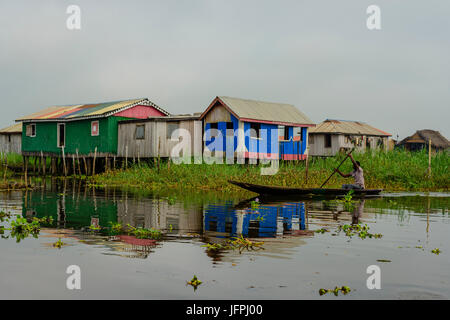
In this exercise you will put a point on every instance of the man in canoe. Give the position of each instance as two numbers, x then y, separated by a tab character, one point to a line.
357	174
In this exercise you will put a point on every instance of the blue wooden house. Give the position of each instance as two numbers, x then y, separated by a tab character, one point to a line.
238	128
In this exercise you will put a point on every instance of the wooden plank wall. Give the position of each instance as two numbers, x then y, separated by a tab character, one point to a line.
155	138
13	146
317	147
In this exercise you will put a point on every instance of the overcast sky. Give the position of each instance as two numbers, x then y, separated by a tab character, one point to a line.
315	54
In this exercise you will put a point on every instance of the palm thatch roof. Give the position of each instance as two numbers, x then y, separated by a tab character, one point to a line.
423	136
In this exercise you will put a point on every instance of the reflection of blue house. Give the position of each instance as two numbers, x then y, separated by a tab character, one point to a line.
260	221
255	129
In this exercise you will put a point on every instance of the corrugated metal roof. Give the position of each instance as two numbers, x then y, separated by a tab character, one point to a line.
97	110
175	117
347	127
15	128
265	111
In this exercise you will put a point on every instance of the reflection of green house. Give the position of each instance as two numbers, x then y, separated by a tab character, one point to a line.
81	128
71	211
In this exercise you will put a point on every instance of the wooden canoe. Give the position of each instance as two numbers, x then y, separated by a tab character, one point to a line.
285	191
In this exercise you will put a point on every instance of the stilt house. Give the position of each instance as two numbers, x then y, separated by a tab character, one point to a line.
255	129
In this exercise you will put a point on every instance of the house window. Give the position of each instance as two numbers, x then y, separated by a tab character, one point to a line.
31	130
61	135
328	141
139	134
310	139
171	127
254	130
95	128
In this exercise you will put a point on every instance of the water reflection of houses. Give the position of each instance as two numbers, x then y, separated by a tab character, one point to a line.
73	205
258	220
160	214
282	226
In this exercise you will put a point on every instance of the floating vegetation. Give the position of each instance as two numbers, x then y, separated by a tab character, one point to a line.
347	201
4	215
115	229
94	228
21	228
242	244
335	291
143	233
360	230
323	230
47	220
58	244
239	243
217	246
140	233
436	251
194	282
254	205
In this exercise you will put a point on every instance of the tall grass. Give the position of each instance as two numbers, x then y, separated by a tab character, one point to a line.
394	170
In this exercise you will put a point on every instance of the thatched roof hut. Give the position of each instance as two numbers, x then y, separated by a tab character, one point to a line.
420	139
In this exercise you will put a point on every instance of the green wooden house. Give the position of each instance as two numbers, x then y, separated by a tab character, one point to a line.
83	130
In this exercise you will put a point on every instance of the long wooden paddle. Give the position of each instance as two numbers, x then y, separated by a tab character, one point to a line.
337	168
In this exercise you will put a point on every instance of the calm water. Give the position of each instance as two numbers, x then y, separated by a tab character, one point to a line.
295	264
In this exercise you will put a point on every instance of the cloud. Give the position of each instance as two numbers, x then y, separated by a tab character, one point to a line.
317	55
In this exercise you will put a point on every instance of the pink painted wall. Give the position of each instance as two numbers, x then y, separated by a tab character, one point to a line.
140	112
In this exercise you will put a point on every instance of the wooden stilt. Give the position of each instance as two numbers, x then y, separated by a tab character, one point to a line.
64	162
85	166
39	165
306	165
74	168
34	165
78	160
26	171
93	165
429	158
107	164
44	166
53	164
6	169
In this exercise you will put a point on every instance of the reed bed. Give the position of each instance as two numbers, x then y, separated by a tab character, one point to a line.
395	170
